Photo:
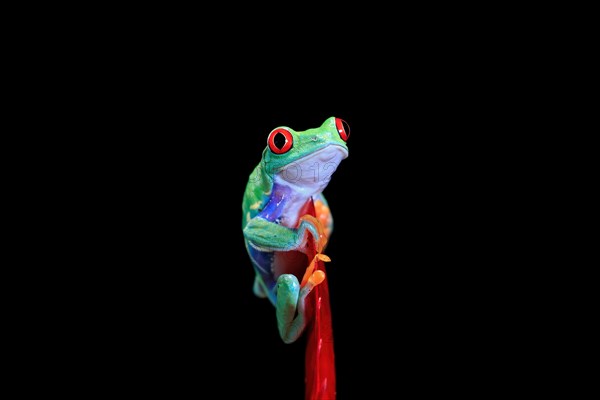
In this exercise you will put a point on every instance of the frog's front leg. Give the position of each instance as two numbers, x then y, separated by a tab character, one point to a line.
265	235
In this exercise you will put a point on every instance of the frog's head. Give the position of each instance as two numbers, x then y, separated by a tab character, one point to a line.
306	159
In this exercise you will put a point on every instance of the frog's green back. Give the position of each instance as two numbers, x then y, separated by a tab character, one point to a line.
257	192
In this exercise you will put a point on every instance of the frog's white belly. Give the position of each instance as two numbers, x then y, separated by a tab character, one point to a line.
307	178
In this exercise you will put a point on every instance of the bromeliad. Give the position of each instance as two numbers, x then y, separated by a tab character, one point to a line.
286	224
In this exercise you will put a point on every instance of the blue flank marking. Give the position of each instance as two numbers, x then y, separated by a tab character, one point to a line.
263	260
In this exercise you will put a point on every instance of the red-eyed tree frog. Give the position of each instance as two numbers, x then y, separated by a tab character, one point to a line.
286	220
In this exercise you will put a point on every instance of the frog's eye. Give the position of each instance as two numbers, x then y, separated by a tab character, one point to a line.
343	128
280	140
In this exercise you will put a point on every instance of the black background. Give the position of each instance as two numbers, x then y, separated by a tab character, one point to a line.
414	270
154	132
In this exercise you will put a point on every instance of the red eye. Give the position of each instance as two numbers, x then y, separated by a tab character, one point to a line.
343	128
280	140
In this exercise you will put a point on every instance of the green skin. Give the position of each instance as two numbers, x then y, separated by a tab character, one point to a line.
276	197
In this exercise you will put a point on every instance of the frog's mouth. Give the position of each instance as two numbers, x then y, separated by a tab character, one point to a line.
313	172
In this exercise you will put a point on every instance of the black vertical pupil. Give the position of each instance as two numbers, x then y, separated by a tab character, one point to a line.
279	140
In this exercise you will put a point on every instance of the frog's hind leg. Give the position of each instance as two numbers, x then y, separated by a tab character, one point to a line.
290	307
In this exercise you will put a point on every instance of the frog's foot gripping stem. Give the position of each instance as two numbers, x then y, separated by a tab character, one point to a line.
313	225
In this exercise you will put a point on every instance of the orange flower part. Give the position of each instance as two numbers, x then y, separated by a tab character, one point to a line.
323	213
